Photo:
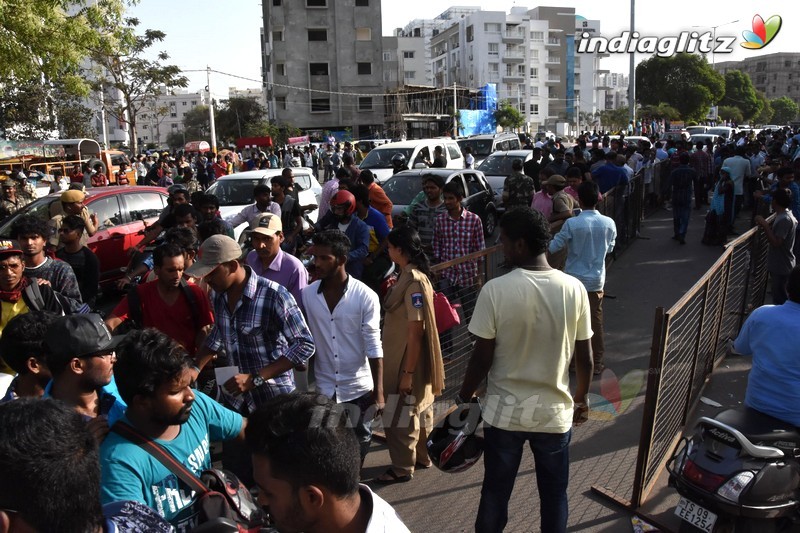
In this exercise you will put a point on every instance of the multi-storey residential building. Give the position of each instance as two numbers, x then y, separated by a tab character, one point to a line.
404	62
256	94
775	75
323	65
529	54
164	115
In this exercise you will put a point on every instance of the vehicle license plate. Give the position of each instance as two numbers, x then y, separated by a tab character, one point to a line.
696	515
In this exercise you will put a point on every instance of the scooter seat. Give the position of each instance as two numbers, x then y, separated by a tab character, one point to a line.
760	428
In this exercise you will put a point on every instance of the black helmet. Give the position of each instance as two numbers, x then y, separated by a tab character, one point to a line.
454	447
398	160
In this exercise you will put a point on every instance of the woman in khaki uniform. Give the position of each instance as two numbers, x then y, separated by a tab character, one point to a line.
413	371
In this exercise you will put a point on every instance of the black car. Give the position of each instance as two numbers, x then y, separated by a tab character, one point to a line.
479	197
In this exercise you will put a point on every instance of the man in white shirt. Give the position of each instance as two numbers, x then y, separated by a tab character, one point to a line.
740	169
305	463
343	315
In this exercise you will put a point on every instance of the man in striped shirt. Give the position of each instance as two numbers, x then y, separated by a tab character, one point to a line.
424	214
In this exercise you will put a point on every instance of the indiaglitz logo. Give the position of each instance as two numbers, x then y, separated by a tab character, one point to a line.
615	395
763	32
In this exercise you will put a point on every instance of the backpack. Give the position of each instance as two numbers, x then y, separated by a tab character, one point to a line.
135	315
223	502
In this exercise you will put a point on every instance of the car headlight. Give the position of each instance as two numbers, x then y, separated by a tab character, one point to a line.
733	488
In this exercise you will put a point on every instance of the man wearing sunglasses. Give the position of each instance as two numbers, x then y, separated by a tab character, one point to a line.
80	354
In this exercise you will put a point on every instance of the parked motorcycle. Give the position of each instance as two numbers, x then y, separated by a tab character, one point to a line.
738	472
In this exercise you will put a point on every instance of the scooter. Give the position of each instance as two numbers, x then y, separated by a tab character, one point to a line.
738	472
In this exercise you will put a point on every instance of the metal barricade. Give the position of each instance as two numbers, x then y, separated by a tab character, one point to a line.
689	340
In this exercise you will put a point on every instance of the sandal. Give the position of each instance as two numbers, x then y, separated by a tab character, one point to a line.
392	478
423	466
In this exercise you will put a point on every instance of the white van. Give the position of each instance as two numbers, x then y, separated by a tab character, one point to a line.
416	152
483	146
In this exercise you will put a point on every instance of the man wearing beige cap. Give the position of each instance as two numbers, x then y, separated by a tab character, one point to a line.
72	204
563	203
268	260
261	328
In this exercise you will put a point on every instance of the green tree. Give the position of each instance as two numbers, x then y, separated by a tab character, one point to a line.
615	119
175	139
35	110
766	113
785	110
659	111
196	124
730	113
128	78
684	81
240	117
48	39
739	92
508	116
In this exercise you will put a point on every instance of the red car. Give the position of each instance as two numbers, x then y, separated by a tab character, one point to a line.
122	213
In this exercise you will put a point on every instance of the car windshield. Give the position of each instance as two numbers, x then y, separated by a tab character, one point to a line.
39	208
480	147
722	132
498	165
382	157
402	188
234	192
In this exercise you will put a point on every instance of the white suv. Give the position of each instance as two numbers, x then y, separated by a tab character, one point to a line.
379	160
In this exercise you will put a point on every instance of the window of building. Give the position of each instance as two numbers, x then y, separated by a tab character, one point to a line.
537	36
280	69
194	102
276	2
494	49
387	56
363	34
280	102
146	137
318	35
362	3
277	36
409	74
144	126
534	90
494	68
534	73
534	55
143	116
787	63
174	126
173	114
470	33
318	69
491	27
364	69
184	104
408	54
320	105
535	109
365	103
316	3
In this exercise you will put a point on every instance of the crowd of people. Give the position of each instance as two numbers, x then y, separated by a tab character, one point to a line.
210	344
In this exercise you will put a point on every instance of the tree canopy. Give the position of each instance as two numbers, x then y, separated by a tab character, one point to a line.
508	116
684	81
740	93
785	110
240	117
49	38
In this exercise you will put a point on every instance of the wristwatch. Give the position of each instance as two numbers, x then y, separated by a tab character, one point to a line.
258	380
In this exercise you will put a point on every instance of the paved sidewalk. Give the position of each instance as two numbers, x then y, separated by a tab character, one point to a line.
654	271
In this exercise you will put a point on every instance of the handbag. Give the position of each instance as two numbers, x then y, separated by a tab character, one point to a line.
446	313
223	502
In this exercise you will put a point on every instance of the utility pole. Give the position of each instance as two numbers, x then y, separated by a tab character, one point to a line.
103	115
455	112
632	74
211	111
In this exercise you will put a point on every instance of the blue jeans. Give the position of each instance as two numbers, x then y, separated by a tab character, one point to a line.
501	459
680	218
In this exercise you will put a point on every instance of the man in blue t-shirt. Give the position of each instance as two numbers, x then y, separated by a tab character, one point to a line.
771	336
609	175
154	376
377	261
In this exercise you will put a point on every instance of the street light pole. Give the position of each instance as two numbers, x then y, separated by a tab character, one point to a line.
632	73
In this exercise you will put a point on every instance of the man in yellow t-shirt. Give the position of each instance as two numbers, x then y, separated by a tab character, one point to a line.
527	324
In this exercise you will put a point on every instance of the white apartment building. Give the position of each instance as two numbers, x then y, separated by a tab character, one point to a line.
256	94
164	115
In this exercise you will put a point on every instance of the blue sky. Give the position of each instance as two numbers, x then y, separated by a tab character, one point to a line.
225	35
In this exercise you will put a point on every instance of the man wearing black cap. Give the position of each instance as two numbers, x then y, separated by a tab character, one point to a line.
79	350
